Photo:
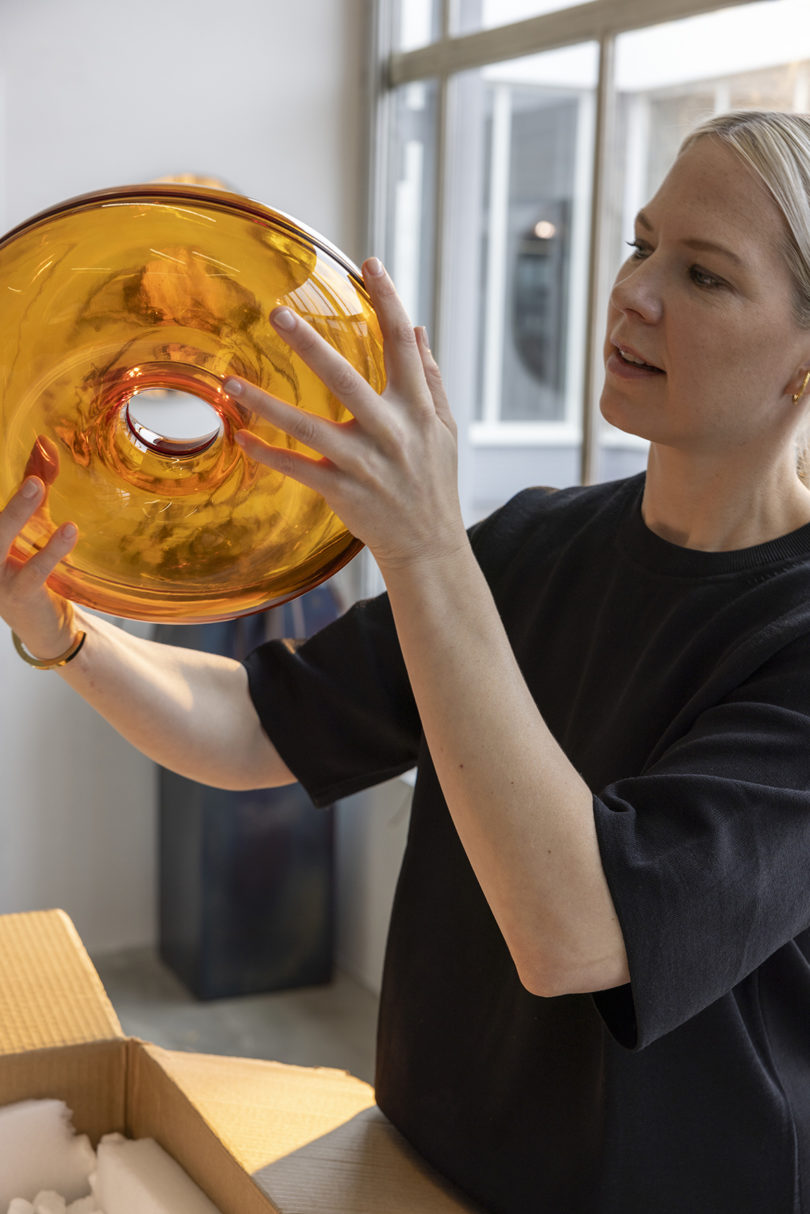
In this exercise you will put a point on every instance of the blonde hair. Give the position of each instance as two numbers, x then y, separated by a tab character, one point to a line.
776	146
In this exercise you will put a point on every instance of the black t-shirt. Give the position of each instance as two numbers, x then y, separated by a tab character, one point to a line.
678	683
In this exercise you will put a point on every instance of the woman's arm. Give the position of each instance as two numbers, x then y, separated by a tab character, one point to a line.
189	711
524	815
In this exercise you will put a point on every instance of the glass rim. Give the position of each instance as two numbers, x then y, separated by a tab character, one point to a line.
226	200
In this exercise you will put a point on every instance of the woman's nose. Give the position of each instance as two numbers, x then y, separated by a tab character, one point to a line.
637	290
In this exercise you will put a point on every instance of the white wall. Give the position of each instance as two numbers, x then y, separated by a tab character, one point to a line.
263	93
269	96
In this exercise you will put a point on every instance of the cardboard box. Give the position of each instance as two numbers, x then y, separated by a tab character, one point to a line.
257	1137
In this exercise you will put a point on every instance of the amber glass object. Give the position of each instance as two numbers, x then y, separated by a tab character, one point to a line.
139	294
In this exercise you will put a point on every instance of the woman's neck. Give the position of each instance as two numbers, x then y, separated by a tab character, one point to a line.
719	507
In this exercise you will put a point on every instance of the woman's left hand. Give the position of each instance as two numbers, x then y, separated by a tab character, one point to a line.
389	473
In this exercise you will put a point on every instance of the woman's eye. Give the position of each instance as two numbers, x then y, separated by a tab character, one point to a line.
702	278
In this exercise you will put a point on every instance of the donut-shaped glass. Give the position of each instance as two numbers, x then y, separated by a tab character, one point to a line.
139	294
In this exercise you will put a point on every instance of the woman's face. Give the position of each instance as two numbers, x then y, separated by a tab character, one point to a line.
702	348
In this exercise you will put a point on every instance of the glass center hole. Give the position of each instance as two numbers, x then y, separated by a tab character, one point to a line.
172	422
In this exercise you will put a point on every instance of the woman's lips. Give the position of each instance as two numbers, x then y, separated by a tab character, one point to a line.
625	369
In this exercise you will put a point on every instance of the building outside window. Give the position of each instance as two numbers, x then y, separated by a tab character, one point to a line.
516	140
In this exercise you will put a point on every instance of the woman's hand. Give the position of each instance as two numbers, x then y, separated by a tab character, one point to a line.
390	474
42	620
188	710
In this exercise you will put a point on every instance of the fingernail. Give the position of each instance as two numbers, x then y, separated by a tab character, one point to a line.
374	266
283	318
233	387
31	488
70	531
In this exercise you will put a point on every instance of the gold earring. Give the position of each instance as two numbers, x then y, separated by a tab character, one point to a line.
798	395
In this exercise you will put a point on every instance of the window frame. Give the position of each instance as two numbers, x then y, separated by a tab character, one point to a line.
597	21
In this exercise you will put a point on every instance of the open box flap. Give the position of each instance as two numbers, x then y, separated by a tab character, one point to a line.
90	1077
50	994
312	1138
159	1107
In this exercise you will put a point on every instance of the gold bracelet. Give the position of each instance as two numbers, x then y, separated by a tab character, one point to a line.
49	663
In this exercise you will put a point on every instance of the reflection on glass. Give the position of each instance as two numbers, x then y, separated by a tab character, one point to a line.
668	79
139	299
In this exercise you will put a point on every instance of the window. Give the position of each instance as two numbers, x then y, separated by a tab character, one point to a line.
410	196
524	151
469	15
415	23
520	142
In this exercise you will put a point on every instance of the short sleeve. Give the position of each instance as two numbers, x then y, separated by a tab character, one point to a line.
338	707
707	852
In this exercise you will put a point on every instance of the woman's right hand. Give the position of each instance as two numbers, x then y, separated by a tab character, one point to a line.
189	710
41	619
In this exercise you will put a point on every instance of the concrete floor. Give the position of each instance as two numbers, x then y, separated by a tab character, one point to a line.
332	1025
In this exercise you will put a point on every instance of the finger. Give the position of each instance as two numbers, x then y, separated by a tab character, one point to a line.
307	429
43	460
335	371
316	474
25	502
433	378
403	363
34	573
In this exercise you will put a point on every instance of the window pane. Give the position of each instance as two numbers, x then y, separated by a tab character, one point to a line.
523	158
471	15
516	265
415	23
668	79
410	197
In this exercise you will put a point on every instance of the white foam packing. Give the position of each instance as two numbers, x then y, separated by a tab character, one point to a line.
48	1202
47	1169
136	1174
40	1151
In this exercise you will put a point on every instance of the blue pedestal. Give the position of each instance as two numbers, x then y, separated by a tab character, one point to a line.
246	888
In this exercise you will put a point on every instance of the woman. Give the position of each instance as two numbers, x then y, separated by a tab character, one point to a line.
597	985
